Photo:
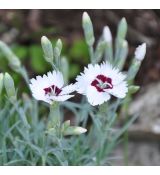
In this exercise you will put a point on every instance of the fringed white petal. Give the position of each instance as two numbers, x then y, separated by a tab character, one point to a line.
42	98
68	89
81	84
55	78
119	90
113	73
96	98
85	79
61	98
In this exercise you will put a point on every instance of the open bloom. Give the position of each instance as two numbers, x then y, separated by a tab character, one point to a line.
50	88
99	81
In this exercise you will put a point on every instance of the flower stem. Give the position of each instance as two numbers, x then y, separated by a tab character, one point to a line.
24	74
126	136
54	116
91	53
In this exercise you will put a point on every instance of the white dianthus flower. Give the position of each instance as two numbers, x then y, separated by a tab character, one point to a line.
99	82
50	88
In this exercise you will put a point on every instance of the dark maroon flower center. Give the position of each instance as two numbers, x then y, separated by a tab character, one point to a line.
52	89
102	82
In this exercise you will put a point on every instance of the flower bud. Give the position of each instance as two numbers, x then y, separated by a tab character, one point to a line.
107	37
47	49
136	62
67	123
88	29
58	48
9	86
107	34
57	52
65	69
1	82
140	52
122	29
13	60
123	52
133	89
100	49
74	130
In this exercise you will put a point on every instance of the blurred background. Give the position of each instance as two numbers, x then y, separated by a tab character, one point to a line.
22	30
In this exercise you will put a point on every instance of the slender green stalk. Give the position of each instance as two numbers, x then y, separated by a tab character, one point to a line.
91	53
126	140
54	118
24	74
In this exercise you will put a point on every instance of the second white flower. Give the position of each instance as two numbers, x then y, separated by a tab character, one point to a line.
51	88
99	82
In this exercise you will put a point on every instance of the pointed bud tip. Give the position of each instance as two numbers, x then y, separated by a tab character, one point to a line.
107	34
140	52
44	39
85	16
59	43
125	43
7	75
8	79
81	130
74	130
123	20
59	40
47	49
84	130
67	123
9	86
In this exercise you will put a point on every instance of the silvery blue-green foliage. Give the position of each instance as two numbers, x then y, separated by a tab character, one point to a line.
33	133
